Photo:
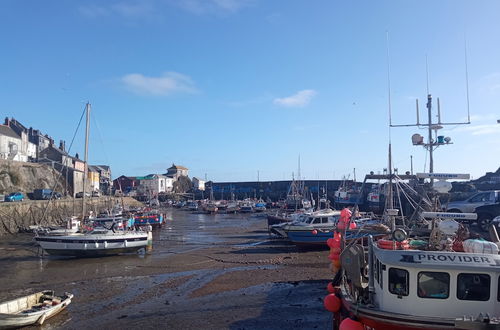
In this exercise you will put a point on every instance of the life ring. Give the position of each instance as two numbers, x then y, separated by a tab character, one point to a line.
389	244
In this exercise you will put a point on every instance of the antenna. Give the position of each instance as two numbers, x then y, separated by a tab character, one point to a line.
389	82
427	73
418	117
432	144
439	112
466	79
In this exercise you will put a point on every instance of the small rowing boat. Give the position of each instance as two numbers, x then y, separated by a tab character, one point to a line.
32	309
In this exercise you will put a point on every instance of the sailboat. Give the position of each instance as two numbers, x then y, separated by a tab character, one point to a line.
99	241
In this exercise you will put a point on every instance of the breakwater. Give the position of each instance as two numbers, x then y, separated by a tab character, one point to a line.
18	216
273	190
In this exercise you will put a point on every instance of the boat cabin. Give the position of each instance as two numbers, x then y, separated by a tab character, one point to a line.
428	283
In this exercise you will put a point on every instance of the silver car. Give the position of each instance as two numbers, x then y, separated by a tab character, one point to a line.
478	199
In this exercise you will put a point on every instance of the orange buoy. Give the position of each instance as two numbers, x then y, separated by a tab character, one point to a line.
336	264
350	324
389	244
332	303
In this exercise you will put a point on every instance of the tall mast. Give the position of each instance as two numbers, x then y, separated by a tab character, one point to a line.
86	155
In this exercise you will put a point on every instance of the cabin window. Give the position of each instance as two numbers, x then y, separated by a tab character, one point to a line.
473	287
375	269
324	220
433	285
381	268
498	293
398	281
317	220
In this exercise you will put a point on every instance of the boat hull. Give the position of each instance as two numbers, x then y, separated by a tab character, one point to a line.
16	320
155	220
91	248
308	238
382	320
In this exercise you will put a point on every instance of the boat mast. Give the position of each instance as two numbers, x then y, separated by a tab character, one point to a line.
85	160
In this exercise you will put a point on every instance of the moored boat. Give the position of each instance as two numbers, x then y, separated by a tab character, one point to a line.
32	309
95	243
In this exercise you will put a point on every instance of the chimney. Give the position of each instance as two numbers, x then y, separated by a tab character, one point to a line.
7	121
62	145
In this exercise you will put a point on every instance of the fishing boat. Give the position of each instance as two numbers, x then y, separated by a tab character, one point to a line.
312	232
246	206
33	309
443	282
260	206
148	217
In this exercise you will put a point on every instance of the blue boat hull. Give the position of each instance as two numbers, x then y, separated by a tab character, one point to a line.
153	220
306	237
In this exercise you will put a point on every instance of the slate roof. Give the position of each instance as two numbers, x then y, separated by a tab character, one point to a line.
7	131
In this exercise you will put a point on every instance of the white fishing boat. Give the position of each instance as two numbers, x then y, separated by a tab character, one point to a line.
432	285
33	309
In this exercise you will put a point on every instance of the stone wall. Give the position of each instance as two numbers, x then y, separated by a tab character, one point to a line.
18	216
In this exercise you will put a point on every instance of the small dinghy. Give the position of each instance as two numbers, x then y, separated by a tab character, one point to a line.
32	309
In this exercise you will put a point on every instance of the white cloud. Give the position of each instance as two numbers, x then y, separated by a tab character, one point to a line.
166	84
484	129
299	99
200	7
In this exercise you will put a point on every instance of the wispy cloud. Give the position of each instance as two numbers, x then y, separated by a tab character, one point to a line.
125	9
201	7
166	84
484	129
299	99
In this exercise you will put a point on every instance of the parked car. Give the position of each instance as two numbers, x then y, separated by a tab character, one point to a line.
476	200
496	223
96	194
80	194
486	214
15	196
46	194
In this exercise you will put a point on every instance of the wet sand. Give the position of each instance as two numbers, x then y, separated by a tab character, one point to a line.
205	272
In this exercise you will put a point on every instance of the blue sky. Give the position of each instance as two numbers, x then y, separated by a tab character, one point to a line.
232	87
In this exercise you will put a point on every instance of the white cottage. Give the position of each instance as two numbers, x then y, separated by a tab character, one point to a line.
155	183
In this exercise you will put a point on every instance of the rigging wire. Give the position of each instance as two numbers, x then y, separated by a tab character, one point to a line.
60	173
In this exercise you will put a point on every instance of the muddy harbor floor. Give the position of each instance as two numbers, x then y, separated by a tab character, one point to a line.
205	272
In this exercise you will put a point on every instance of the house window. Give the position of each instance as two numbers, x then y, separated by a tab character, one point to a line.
398	281
434	285
473	287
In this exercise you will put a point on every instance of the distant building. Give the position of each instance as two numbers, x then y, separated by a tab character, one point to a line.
154	184
14	143
93	177
104	178
33	139
198	184
125	183
175	171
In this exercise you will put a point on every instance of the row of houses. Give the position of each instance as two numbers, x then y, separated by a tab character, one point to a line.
19	143
154	184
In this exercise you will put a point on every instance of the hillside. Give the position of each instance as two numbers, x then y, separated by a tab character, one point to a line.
25	177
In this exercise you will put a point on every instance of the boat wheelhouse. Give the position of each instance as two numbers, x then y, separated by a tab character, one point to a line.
414	289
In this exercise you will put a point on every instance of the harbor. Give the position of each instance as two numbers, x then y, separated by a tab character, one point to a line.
205	271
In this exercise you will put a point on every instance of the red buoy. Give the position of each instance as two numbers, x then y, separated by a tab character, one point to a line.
350	324
330	287
332	303
314	232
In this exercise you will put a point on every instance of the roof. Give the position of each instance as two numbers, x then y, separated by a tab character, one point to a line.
198	179
93	168
7	131
177	167
439	259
